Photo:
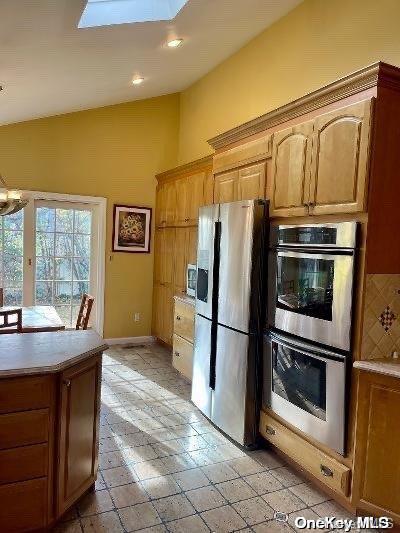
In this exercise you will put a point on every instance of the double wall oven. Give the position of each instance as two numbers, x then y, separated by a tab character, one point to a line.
307	345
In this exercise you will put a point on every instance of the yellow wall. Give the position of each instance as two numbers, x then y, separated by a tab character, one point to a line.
113	152
314	44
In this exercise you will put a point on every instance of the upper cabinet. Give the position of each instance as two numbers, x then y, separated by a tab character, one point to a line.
288	186
321	166
166	204
247	183
225	187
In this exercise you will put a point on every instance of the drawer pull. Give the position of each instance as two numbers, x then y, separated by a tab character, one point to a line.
270	430
178	317
177	354
67	382
325	471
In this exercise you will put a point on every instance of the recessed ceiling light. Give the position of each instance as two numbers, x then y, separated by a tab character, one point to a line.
174	43
137	81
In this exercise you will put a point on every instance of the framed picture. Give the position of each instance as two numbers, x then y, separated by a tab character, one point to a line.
131	231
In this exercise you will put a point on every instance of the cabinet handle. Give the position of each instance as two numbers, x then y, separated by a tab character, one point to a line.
177	354
270	430
178	317
325	471
67	383
311	204
306	204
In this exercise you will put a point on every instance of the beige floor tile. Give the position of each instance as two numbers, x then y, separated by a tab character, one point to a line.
268	459
190	524
111	460
235	490
159	487
331	508
205	498
154	529
246	466
219	472
284	501
102	523
254	510
150	469
128	495
95	502
113	477
287	476
178	463
140	516
310	495
191	479
139	454
72	526
263	482
190	444
273	526
308	514
223	519
173	507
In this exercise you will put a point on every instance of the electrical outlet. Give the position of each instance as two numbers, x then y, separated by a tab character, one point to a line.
136	317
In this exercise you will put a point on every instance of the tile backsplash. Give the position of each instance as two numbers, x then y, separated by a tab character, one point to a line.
381	326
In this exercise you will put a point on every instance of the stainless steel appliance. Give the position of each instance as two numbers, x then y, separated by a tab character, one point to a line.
311	281
229	316
191	275
306	386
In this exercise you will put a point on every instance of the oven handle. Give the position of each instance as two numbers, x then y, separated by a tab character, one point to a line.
297	251
306	348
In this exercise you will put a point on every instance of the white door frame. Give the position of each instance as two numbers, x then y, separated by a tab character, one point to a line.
100	205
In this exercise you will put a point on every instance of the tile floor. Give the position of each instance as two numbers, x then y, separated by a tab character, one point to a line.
164	467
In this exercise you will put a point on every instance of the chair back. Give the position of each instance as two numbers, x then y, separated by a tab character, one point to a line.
1	297
84	311
11	321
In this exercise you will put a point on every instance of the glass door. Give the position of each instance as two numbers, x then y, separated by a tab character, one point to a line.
12	257
63	257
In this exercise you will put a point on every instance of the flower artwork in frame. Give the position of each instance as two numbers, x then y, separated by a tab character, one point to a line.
132	226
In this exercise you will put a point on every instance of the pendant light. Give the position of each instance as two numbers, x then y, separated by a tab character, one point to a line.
11	200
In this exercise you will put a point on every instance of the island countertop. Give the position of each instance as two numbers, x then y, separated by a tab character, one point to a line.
387	367
39	353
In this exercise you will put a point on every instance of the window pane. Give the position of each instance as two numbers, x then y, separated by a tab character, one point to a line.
64	313
12	296
12	270
62	292
45	219
63	245
83	222
64	220
44	293
44	244
44	268
82	246
81	268
15	221
63	269
13	242
79	288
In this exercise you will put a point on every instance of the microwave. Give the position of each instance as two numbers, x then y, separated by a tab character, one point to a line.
191	278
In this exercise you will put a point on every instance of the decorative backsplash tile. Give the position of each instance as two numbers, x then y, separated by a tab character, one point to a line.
381	327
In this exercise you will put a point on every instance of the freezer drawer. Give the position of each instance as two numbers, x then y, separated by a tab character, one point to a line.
201	392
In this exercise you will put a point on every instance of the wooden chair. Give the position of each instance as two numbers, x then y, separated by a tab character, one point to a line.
1	297
8	324
84	311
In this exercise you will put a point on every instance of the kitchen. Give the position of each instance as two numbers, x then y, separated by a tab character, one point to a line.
242	374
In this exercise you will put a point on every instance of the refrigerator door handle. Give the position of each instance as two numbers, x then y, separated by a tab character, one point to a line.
214	326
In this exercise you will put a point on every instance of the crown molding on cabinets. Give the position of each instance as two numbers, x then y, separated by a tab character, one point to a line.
187	168
379	73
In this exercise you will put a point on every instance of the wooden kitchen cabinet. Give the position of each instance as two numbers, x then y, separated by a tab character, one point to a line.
226	186
166	204
192	245
182	352
339	171
180	259
251	182
189	197
78	440
376	485
288	188
163	312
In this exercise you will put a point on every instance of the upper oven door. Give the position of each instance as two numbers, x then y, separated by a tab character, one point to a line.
310	295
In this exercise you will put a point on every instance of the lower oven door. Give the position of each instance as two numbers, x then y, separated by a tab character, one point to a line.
310	295
306	386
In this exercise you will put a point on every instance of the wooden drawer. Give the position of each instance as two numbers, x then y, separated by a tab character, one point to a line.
22	429
23	505
182	356
184	320
21	464
325	468
21	394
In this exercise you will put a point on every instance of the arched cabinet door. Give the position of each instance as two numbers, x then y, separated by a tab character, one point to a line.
339	171
288	188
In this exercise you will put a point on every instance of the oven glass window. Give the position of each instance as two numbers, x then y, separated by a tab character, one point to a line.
300	379
317	235
305	286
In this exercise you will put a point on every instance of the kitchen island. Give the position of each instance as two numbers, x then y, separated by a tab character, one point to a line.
49	421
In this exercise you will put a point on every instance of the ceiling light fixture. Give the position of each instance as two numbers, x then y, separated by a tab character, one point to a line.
138	80
174	43
11	201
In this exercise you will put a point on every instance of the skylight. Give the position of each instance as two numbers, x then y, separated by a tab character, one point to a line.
107	12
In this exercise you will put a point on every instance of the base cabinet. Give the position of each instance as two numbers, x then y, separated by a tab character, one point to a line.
376	486
182	351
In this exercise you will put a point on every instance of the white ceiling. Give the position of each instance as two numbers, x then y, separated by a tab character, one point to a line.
48	66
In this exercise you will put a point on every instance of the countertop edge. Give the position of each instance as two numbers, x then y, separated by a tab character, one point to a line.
389	368
53	369
185	298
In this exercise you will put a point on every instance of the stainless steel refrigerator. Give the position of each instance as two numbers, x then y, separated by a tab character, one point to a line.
230	304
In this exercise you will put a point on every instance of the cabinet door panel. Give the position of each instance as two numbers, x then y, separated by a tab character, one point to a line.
168	318
225	189
182	201
78	442
160	206
192	246
180	259
251	182
340	159
158	311
167	255
208	195
291	160
182	358
158	235
170	203
195	191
